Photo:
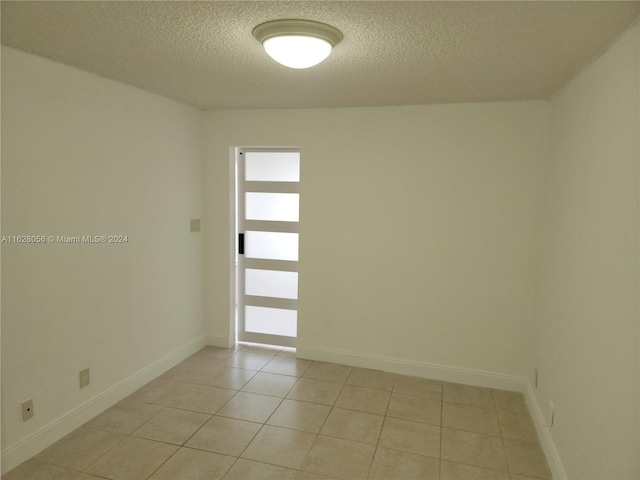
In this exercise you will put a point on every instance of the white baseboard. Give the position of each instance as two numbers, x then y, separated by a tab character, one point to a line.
546	440
447	374
223	341
29	446
410	367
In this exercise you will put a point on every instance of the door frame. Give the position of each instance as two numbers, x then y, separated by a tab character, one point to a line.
237	260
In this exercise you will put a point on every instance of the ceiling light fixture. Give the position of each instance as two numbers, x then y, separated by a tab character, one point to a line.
297	43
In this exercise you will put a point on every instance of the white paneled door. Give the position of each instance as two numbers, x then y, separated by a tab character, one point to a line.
267	221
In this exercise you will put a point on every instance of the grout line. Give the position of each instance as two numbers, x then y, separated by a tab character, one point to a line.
168	458
504	450
384	420
332	408
249	443
197	430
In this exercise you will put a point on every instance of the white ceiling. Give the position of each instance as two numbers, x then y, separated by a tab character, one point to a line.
393	53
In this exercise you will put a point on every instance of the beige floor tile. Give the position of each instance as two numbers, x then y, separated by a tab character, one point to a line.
280	446
158	392
188	464
200	398
232	378
396	465
526	458
124	417
363	399
315	391
172	426
212	355
249	360
311	476
471	419
338	458
248	470
250	406
352	425
185	369
329	372
132	459
473	449
420	387
375	379
193	372
415	409
308	417
228	436
326	427
411	437
35	470
468	395
80	448
284	365
458	471
510	401
517	426
270	384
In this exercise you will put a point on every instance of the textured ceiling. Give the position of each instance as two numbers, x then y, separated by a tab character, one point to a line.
393	53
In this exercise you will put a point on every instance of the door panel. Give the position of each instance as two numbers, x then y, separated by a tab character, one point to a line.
271	321
271	245
267	216
282	207
272	166
271	283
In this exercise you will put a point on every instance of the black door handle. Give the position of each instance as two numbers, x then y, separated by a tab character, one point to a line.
241	243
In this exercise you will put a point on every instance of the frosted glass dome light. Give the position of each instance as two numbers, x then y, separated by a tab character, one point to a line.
297	51
297	43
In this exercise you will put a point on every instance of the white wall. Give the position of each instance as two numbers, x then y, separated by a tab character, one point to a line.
82	155
416	230
586	322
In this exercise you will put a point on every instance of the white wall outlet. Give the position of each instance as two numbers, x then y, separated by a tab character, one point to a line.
85	379
195	225
27	410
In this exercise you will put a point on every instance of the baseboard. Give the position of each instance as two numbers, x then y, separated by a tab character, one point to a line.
29	446
447	374
223	341
410	367
546	440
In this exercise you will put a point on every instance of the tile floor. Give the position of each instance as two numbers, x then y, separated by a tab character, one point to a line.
257	412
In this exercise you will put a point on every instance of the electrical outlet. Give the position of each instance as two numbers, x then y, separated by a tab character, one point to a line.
535	377
85	379
27	410
195	225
